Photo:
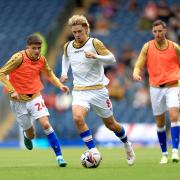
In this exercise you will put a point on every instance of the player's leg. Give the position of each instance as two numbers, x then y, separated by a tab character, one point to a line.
24	120
53	140
38	111
28	130
161	133
119	131
103	108
173	103
159	108
29	134
79	115
175	130
80	107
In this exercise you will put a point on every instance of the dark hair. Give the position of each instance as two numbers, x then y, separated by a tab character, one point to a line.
33	39
159	22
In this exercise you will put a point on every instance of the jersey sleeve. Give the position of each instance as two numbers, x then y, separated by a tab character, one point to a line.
177	49
141	61
48	72
100	47
65	49
14	62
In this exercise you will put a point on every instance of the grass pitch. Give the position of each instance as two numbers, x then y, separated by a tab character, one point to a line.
40	164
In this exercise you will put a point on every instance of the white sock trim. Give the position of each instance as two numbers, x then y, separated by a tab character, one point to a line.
165	153
59	157
48	131
175	150
161	129
122	137
175	124
87	138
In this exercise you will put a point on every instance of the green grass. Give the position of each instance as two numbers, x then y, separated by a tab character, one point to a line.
37	164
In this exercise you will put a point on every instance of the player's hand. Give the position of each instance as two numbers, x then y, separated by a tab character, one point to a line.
65	89
15	95
90	54
137	77
63	78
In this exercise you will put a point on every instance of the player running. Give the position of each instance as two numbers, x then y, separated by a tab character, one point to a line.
87	56
24	86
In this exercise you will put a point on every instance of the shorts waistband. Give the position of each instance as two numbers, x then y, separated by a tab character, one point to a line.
168	84
85	88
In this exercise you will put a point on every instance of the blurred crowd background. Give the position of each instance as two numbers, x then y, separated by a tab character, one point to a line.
123	25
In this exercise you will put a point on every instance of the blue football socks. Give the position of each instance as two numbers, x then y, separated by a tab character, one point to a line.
53	141
161	133
175	135
87	138
122	135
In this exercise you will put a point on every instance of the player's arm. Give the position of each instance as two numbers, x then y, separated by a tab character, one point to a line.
177	49
48	72
103	54
65	65
141	61
14	62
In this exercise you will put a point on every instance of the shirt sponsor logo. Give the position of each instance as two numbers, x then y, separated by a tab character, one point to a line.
78	51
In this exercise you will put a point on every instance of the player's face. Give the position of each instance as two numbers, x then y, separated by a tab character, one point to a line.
34	50
159	33
80	33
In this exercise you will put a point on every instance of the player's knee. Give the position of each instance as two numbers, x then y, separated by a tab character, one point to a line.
78	119
173	116
160	121
45	125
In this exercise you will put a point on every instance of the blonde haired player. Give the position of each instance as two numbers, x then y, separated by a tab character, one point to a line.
86	56
162	58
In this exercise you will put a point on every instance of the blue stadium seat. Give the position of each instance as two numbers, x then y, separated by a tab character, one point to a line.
20	18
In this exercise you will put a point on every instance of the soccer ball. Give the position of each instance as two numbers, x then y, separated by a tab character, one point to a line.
90	159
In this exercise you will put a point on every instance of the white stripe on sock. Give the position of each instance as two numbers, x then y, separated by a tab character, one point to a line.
122	137
175	124
87	138
161	129
165	153
48	131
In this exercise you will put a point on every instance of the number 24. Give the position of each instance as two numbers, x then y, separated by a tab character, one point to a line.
40	106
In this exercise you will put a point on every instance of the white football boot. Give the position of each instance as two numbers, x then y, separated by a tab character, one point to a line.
164	159
175	155
129	153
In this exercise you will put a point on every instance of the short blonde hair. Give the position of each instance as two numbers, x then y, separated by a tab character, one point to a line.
79	20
